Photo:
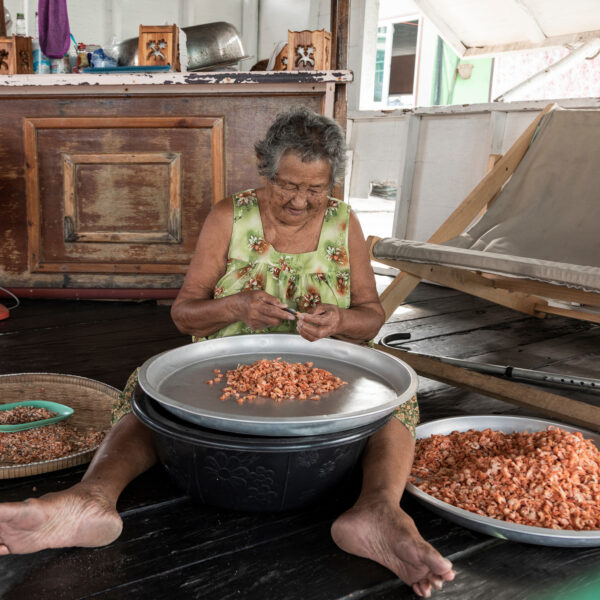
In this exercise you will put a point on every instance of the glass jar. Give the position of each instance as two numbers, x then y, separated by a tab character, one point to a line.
60	65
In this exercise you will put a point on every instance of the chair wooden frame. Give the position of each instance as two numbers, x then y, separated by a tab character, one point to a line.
528	296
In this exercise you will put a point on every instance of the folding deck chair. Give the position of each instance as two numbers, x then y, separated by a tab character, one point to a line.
528	235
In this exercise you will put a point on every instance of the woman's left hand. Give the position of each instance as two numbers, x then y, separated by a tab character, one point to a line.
319	322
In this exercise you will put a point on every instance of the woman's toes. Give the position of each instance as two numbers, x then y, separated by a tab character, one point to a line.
417	589
424	588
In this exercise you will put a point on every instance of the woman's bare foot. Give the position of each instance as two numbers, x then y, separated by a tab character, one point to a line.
79	516
384	533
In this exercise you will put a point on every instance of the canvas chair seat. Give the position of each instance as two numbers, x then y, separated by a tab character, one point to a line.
541	226
574	276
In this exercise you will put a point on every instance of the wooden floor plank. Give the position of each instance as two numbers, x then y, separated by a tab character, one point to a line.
410	311
154	486
268	554
422	292
49	314
459	322
520	572
547	352
504	340
171	547
89	349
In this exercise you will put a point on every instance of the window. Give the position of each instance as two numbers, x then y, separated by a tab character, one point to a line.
380	63
395	61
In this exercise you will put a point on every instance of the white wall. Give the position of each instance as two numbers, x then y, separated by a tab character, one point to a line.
361	52
261	23
276	18
397	9
95	22
449	159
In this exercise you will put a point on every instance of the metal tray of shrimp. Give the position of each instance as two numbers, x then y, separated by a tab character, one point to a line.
497	528
376	383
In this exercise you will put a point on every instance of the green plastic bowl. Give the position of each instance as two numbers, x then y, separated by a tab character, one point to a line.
62	412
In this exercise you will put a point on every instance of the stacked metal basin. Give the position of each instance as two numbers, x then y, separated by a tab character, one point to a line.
266	456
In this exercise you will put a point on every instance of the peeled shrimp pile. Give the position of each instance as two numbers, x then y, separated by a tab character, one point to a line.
278	380
546	479
24	414
45	443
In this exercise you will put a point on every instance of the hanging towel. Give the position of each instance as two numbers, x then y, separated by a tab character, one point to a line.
53	23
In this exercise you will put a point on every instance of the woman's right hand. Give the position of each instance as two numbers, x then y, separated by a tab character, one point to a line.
260	310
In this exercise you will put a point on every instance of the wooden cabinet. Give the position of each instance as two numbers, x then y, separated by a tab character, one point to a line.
108	186
118	188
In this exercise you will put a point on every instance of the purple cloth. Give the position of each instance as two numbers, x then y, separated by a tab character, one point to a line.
53	22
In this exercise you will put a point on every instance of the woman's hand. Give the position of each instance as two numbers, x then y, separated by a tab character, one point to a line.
320	321
260	310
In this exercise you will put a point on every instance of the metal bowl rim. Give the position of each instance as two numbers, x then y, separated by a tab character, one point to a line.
401	398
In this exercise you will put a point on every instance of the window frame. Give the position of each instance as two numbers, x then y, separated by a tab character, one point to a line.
389	24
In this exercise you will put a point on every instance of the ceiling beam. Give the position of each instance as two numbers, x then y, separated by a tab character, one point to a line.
445	31
561	40
536	33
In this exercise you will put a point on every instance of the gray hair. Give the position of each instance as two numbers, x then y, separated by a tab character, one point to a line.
312	136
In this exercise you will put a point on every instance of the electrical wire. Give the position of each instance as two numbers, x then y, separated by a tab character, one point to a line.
11	294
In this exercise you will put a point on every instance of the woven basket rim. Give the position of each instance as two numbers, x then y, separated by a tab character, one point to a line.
52	461
62	462
61	377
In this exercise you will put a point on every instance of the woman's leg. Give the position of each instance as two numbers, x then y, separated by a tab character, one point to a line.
377	528
85	514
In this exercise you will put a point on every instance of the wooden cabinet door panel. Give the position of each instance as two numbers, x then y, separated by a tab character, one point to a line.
111	194
74	215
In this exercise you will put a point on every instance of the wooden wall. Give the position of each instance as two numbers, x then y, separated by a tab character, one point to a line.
112	191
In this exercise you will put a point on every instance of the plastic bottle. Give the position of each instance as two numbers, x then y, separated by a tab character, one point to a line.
41	63
20	27
60	65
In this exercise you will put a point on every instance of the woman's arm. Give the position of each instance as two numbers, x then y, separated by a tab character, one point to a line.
365	316
195	311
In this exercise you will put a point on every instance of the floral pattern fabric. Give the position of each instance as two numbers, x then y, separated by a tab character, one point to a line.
300	280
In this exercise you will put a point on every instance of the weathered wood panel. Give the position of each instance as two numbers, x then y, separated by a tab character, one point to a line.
108	170
103	194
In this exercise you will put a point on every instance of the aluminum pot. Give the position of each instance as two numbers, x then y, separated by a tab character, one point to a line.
251	473
208	46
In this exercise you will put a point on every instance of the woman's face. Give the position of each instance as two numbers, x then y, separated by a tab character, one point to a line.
300	190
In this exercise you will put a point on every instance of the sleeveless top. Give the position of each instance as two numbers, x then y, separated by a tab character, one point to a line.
300	280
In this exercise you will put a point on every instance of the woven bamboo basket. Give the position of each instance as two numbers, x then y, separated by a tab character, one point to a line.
91	400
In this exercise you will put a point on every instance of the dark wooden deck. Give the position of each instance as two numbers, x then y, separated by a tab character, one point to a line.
173	548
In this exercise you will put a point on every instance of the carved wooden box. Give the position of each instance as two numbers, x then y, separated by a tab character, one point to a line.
309	50
158	45
15	55
281	60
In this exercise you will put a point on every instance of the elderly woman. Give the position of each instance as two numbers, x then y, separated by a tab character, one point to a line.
286	244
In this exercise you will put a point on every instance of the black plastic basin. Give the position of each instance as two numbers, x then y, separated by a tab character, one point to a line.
251	473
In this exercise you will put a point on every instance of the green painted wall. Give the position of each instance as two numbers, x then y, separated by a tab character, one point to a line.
450	88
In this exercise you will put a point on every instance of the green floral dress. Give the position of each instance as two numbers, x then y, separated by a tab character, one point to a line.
300	280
